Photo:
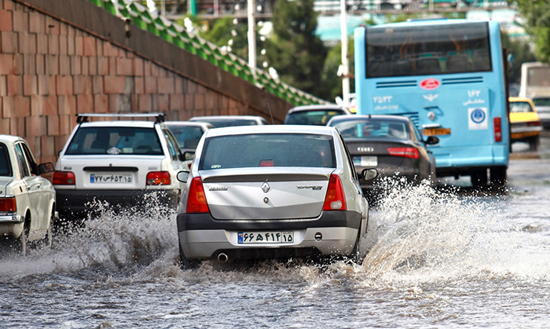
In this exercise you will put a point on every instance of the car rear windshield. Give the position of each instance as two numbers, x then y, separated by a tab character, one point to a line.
520	107
187	136
541	101
5	166
268	150
115	140
372	129
317	117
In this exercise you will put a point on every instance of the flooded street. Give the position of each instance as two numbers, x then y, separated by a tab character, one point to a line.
439	259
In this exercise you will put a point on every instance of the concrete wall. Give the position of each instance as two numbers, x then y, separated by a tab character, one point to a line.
63	57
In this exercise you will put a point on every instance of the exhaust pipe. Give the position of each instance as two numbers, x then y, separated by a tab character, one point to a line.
223	258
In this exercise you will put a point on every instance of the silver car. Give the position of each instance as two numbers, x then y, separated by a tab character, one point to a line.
274	191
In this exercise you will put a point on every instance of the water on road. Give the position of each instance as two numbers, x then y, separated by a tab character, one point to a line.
439	258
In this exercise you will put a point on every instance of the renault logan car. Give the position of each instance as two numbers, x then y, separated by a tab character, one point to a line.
271	191
124	163
27	200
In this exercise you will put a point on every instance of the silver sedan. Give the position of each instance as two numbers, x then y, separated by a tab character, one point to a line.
274	191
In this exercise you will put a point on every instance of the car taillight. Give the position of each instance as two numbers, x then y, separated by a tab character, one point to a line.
7	205
533	124
158	178
63	178
498	129
196	200
407	152
335	199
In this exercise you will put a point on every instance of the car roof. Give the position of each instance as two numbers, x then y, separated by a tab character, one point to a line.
368	117
188	123
521	99
121	123
324	107
10	138
225	117
291	129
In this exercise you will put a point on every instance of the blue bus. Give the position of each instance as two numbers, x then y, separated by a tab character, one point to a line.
448	76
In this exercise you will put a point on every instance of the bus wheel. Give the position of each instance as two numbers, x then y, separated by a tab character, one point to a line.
498	176
479	178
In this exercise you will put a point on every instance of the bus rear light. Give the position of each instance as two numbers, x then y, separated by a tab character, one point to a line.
7	205
63	178
196	200
498	129
335	198
158	178
407	152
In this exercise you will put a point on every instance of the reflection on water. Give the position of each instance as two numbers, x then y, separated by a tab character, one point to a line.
438	259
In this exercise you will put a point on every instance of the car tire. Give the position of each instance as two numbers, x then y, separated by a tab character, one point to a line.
187	264
534	143
357	255
48	239
22	243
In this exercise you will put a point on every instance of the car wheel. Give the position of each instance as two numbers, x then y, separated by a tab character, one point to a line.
479	178
534	143
357	255
187	264
21	243
49	237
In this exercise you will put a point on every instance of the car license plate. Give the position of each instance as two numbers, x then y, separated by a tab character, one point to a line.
365	161
265	237
436	131
111	179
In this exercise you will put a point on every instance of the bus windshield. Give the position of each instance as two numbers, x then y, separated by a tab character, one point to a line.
427	50
538	76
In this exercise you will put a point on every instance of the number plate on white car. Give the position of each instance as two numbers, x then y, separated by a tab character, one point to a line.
265	237
365	161
111	179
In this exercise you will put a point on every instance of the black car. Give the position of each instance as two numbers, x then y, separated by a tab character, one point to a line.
318	115
392	144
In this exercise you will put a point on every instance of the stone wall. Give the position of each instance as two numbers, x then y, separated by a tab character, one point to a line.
63	57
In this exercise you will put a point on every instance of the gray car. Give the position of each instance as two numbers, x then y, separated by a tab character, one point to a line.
273	191
542	106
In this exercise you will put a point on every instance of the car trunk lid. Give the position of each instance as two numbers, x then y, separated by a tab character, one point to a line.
266	194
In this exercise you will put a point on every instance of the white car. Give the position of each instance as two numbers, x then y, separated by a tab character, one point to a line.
27	200
124	163
272	191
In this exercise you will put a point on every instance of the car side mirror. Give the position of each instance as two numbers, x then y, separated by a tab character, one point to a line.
188	155
369	174
183	176
45	168
431	140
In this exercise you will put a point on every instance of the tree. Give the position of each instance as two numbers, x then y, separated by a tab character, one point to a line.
522	53
294	50
537	16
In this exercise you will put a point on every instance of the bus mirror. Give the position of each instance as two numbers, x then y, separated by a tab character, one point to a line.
369	174
432	140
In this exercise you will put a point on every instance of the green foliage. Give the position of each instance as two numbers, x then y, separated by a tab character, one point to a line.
294	50
537	16
522	53
331	82
221	33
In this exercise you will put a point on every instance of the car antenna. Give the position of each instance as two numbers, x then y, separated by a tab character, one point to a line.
269	108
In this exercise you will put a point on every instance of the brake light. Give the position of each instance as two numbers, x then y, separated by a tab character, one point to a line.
158	178
63	178
498	129
196	200
7	205
533	124
335	199
406	152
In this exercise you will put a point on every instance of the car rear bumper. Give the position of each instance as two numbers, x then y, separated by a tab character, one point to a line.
333	233
77	203
11	225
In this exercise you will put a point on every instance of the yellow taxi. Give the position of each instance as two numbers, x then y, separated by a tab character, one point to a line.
525	123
